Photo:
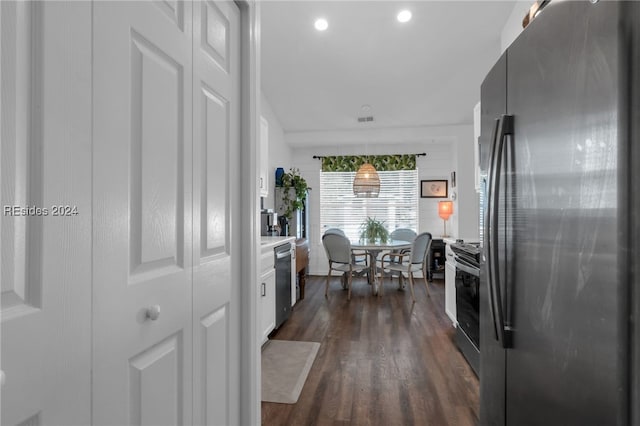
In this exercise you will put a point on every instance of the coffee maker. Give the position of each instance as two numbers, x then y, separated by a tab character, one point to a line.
269	223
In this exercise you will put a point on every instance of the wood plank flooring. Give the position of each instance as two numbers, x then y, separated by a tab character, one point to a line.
382	360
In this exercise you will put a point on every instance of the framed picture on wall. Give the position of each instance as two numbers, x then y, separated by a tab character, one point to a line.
434	189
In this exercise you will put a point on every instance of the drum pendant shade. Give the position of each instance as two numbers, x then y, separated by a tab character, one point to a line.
366	184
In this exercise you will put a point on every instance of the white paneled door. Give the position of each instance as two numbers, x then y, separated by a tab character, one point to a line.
165	181
46	212
142	202
216	210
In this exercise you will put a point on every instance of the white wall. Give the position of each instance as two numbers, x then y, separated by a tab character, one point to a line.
439	143
279	151
465	216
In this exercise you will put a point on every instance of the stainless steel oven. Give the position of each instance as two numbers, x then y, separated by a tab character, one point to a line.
467	285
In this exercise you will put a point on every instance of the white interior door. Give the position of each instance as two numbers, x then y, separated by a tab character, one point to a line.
216	201
46	220
166	185
142	185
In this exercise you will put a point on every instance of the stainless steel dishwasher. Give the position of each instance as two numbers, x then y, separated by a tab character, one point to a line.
282	255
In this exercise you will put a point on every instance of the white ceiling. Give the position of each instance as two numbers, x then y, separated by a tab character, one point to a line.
426	72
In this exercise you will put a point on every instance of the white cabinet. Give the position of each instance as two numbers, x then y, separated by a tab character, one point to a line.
267	304
450	285
264	157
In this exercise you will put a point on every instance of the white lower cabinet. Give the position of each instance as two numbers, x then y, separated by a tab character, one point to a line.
268	303
267	289
267	285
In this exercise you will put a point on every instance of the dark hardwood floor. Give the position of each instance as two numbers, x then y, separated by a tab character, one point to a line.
382	360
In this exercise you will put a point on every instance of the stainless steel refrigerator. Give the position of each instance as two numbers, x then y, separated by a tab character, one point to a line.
559	288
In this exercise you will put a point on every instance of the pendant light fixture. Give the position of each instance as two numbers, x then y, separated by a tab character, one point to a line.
366	184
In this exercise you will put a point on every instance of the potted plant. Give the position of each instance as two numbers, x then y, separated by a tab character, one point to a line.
294	191
373	229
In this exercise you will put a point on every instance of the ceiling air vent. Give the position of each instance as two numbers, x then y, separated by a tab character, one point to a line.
365	119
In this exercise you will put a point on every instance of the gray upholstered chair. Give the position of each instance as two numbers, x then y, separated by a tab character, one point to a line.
409	262
338	248
402	234
359	256
335	231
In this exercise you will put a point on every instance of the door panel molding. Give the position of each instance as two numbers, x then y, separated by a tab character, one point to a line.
22	159
214	34
156	377
157	121
214	218
174	11
214	357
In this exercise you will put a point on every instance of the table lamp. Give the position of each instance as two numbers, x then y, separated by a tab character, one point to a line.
445	210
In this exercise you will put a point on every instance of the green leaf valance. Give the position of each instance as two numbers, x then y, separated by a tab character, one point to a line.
351	163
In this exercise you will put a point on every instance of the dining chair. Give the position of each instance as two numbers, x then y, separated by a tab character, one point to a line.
335	231
338	248
402	234
409	262
359	256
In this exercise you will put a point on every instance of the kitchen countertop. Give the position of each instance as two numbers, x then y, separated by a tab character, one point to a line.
272	242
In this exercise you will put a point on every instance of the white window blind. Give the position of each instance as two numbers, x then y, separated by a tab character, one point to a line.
397	204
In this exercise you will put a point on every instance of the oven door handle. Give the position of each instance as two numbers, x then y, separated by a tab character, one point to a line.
461	265
504	126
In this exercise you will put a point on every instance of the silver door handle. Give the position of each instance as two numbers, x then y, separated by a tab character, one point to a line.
3	378
504	128
153	312
263	291
283	254
489	228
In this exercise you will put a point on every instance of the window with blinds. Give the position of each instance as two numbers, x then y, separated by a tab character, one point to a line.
397	204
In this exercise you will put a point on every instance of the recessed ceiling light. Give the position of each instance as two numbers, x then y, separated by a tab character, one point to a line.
404	16
321	24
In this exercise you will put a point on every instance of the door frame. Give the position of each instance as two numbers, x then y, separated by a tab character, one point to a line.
250	350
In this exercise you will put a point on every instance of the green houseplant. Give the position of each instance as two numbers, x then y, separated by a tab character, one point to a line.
294	191
373	229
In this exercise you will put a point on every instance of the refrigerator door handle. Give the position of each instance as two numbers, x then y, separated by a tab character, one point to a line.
489	228
504	128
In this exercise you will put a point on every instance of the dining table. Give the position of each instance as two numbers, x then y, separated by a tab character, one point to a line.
374	248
